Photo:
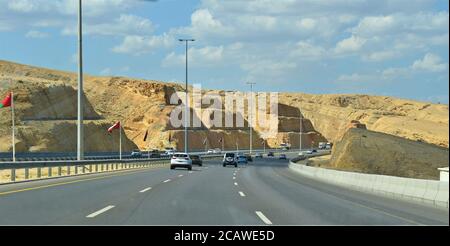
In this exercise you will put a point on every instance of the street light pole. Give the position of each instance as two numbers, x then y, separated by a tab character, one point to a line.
187	97
80	132
300	131
251	115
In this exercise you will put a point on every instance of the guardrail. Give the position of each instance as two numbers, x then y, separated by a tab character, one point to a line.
35	170
432	192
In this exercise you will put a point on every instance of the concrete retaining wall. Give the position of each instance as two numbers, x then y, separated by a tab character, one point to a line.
432	192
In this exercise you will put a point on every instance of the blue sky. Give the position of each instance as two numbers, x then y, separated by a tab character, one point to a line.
379	47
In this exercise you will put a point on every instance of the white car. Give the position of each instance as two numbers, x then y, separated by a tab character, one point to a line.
217	151
181	160
210	151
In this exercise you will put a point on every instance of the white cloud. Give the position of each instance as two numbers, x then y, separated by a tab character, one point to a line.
138	45
349	45
355	77
378	56
122	26
305	49
36	34
205	56
430	62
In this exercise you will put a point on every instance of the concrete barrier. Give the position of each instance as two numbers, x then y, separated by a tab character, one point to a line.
432	192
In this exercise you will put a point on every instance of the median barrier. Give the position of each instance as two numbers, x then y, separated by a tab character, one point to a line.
441	198
430	192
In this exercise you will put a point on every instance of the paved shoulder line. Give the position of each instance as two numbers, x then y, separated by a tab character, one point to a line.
263	218
145	190
70	182
241	193
100	211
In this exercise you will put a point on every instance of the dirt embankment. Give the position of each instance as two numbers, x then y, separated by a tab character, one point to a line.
372	152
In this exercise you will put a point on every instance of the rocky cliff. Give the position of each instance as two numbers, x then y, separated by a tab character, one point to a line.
46	115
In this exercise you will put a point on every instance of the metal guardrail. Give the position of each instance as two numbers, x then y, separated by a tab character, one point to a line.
70	168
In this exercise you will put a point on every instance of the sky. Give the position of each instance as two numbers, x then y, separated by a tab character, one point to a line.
378	47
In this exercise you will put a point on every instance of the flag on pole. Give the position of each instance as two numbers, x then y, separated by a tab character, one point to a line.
146	134
6	101
115	126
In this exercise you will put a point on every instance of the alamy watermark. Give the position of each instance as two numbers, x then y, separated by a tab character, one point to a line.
212	110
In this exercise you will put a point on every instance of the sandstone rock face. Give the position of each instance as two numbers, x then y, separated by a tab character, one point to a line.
331	114
367	151
46	113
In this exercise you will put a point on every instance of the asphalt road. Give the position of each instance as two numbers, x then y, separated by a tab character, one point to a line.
264	192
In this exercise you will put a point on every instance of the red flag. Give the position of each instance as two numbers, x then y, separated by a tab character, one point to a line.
115	126
6	102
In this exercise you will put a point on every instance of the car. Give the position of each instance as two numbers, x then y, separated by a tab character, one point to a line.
271	154
136	153
283	157
170	153
197	160
210	151
217	151
242	159
229	159
309	152
181	160
259	155
249	157
314	151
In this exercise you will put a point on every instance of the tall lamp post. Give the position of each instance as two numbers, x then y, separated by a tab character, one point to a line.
187	98
300	130
80	132
251	114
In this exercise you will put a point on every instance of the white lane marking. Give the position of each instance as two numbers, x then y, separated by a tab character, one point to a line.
263	217
181	175
146	189
234	177
100	211
235	183
241	193
165	181
190	171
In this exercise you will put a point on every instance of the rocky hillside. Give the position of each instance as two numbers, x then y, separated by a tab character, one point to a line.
379	153
331	114
46	115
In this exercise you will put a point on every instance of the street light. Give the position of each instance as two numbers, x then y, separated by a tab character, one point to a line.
187	98
300	130
251	114
80	132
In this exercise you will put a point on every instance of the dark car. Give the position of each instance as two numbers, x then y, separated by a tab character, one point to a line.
283	157
196	160
249	157
271	154
229	159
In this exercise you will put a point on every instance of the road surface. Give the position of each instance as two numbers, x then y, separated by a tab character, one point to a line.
266	192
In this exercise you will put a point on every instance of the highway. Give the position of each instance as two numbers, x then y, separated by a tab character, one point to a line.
265	192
